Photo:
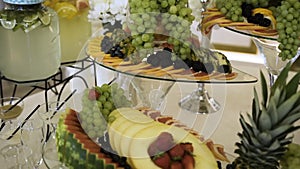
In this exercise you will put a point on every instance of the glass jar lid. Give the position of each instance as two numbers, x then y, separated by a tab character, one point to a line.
23	2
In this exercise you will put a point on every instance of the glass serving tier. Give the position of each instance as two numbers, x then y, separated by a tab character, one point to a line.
198	102
268	47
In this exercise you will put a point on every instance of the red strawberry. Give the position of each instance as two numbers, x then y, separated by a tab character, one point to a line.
176	165
188	147
164	141
176	152
93	94
188	161
152	149
162	160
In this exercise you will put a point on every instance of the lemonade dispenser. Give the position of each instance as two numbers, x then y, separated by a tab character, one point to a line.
30	40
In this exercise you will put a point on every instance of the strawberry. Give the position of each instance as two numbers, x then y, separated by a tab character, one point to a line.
93	94
152	149
176	152
176	165
188	147
164	141
188	161
162	160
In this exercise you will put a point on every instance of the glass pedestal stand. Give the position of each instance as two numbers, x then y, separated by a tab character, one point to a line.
200	102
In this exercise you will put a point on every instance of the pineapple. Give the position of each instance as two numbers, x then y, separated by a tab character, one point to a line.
265	135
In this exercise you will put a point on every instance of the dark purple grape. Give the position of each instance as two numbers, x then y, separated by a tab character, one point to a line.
167	49
209	67
247	10
155	62
224	69
265	22
166	62
150	58
178	64
198	66
189	63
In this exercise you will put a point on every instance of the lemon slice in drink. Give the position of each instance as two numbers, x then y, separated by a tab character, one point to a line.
45	18
8	24
30	18
65	10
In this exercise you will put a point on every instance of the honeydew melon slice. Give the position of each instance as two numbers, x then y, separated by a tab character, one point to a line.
128	136
112	130
139	146
124	118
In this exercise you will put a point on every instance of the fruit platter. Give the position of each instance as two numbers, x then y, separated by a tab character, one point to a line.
107	132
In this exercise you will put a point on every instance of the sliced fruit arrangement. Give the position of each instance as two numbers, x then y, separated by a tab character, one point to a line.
142	133
117	52
262	17
216	149
68	9
28	19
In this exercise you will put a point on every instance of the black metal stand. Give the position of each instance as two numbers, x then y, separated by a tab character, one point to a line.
51	83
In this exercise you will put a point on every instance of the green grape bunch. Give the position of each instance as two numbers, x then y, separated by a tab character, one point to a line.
97	104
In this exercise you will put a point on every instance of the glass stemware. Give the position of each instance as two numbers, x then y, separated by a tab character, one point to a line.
269	50
50	114
10	107
33	137
199	102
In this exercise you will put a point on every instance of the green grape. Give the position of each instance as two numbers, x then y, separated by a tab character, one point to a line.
102	98
164	4
108	105
173	9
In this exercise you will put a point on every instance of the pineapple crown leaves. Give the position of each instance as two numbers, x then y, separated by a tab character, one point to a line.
264	136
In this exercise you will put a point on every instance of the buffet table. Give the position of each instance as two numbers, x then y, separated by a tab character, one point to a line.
222	127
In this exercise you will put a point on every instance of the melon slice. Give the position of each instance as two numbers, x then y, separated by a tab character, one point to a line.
124	118
139	157
128	136
112	130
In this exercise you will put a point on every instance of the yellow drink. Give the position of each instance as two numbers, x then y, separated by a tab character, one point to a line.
75	29
32	54
74	33
11	114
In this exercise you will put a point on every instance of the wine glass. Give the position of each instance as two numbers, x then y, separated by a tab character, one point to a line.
274	64
50	113
33	137
10	108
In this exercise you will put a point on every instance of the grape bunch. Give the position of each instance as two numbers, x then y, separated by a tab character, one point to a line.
97	104
232	9
288	27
